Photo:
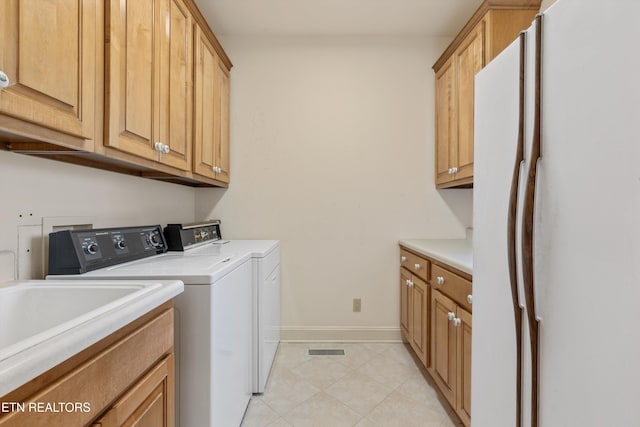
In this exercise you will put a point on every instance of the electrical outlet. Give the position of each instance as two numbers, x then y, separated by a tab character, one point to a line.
357	305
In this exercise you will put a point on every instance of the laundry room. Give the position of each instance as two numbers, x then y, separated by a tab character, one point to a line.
283	213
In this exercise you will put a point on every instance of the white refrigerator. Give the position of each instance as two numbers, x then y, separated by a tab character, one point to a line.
556	280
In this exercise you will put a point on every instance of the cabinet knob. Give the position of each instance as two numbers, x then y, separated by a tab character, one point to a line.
410	283
451	315
454	170
166	149
440	280
403	259
416	266
406	282
456	322
450	171
4	80
470	299
158	146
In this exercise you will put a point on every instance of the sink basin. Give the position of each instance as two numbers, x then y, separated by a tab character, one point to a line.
34	312
43	323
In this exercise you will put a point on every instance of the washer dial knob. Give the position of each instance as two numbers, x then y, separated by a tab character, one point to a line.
92	248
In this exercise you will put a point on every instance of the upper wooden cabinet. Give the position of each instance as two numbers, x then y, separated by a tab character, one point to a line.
49	55
148	80
211	118
493	27
110	84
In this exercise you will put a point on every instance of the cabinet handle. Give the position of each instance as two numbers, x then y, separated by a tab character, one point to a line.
416	266
410	283
166	149
440	280
470	299
451	315
4	80
403	259
456	322
406	282
158	146
450	171
455	170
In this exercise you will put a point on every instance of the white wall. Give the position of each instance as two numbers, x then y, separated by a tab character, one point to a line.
332	153
41	188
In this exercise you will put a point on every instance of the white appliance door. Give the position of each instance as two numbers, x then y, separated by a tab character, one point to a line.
497	124
269	325
587	230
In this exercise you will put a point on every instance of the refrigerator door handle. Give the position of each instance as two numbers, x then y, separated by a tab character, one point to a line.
528	230
511	234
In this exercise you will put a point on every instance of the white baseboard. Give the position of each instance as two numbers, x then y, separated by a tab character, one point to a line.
340	334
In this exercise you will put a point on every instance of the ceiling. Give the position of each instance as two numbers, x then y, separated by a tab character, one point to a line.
337	17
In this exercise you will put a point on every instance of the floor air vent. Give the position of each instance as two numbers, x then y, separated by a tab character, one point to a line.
326	352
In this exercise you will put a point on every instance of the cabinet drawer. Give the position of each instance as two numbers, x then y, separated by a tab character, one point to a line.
452	285
415	264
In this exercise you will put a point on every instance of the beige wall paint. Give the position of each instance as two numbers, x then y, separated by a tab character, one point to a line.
332	153
37	188
545	4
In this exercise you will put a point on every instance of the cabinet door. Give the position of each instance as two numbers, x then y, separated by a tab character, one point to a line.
222	116
405	303
132	55
443	346
149	403
419	314
176	86
204	109
469	59
463	398
48	52
445	121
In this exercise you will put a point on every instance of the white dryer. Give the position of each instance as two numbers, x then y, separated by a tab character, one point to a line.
205	239
213	315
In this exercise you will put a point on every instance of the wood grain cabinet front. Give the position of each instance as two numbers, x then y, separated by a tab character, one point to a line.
134	86
415	308
451	353
148	80
48	65
493	27
148	403
211	123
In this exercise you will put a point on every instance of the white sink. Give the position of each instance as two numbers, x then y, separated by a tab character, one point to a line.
42	323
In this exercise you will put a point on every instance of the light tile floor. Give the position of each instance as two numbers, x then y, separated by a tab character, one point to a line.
373	385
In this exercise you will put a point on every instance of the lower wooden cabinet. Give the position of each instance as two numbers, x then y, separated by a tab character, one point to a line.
126	379
414	313
463	352
435	319
148	403
443	345
451	353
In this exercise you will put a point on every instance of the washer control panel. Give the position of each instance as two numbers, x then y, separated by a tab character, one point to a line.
79	251
184	236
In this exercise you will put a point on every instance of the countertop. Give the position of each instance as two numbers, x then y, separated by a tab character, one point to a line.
458	253
24	359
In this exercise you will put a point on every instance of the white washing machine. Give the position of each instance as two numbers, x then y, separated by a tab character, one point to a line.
213	314
205	239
